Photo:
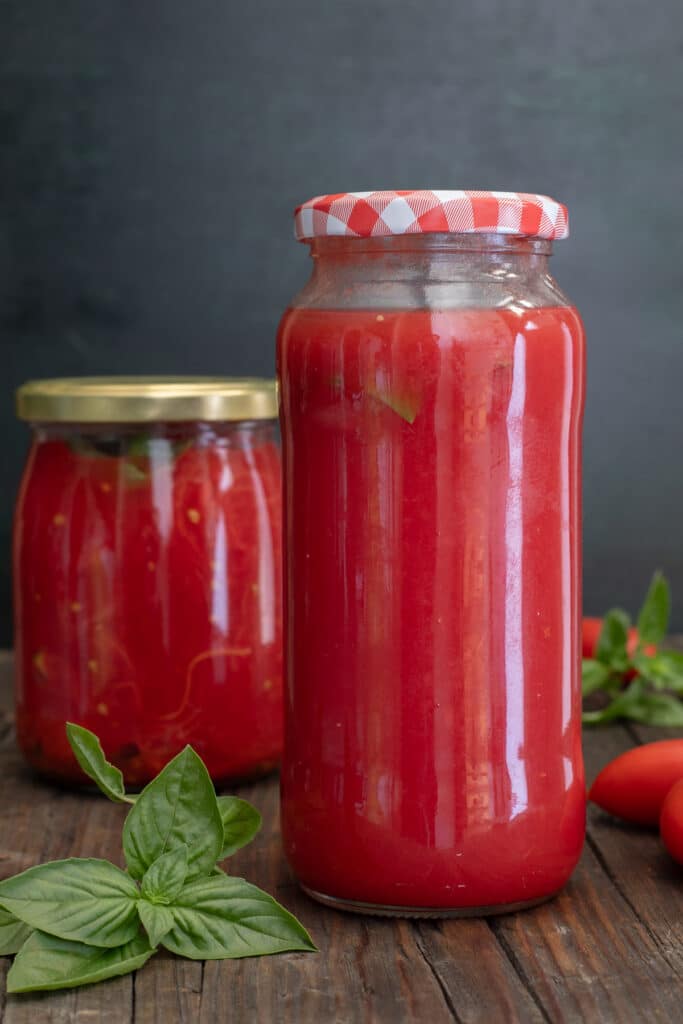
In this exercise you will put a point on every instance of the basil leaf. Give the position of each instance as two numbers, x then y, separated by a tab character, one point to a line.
132	474
139	445
664	669
611	646
405	405
594	676
164	879
45	962
223	917
178	807
241	822
87	900
639	705
90	756
13	933
654	615
157	920
655	709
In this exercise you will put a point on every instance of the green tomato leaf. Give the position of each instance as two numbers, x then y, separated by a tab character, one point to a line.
611	646
653	620
13	933
594	676
223	917
90	756
86	900
164	879
241	822
157	920
178	807
46	962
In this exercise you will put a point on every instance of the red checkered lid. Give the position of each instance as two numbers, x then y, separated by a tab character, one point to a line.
369	214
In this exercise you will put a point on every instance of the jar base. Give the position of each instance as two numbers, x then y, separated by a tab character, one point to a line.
382	910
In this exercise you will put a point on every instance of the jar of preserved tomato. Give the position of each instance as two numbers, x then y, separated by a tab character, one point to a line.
147	574
432	381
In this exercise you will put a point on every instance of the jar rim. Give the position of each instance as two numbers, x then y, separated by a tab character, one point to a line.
148	399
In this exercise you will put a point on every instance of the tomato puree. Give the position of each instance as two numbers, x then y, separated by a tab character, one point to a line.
432	522
148	604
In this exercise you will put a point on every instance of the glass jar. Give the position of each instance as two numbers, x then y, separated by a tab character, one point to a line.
147	574
432	383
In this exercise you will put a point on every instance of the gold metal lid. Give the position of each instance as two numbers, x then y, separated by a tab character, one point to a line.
146	399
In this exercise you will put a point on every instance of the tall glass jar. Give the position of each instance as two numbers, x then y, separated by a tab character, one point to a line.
147	574
432	382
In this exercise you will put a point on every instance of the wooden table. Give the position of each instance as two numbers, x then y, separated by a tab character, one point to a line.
609	948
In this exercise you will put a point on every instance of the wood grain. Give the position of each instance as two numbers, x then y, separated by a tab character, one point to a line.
607	949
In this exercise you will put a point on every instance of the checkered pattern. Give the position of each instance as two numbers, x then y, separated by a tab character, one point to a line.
368	214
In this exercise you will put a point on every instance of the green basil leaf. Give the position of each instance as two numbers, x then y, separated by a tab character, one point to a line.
405	405
601	717
594	676
638	704
618	707
132	474
86	900
164	879
46	962
655	709
157	920
664	669
653	620
611	646
178	807
139	445
90	756
241	822
13	933
221	917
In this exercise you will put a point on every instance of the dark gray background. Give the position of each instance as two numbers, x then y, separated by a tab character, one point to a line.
151	152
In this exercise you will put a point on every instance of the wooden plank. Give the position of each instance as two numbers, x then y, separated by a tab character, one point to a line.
168	991
480	978
108	1003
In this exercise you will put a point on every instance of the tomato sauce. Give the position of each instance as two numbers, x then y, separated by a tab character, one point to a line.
148	599
432	536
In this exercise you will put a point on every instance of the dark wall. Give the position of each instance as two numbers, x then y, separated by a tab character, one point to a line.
151	154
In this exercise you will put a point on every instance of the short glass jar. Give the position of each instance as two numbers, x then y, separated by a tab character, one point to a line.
147	574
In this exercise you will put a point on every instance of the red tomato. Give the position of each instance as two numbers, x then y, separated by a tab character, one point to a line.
634	785
671	822
590	631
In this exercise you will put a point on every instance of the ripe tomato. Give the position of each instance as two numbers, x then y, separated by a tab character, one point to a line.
590	631
634	785
671	822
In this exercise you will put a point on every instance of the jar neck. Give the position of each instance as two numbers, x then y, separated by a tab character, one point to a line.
117	438
432	255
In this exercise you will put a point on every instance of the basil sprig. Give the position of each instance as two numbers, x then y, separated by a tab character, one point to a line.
77	921
643	685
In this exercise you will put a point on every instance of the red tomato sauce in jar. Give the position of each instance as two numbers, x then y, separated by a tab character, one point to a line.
432	737
148	596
